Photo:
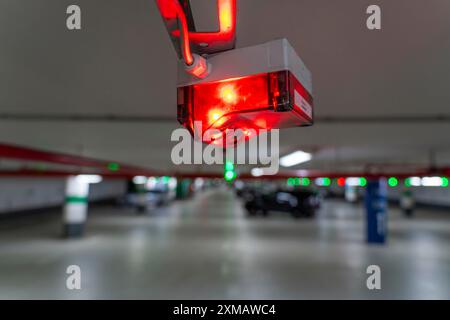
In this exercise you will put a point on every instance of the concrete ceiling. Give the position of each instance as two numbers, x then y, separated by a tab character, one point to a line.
122	64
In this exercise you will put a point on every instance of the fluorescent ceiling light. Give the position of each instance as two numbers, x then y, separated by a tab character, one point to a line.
172	184
90	178
199	182
352	181
415	181
431	181
257	172
140	180
151	182
295	158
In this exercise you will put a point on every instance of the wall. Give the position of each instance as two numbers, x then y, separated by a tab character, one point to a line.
33	193
425	195
436	196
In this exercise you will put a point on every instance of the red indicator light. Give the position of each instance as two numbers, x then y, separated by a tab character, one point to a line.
215	103
264	101
341	182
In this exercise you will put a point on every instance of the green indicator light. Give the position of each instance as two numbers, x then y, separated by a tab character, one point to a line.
306	182
113	166
407	182
229	166
290	182
297	181
326	182
229	175
393	182
362	182
165	179
444	182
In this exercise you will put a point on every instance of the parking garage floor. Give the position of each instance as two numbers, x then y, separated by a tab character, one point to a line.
205	248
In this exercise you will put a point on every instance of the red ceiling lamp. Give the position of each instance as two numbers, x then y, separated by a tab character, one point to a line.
261	87
341	182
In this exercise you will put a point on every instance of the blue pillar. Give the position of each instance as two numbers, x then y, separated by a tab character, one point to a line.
376	207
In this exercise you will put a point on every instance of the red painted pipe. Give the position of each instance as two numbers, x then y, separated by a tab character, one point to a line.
29	154
316	174
129	174
127	171
29	173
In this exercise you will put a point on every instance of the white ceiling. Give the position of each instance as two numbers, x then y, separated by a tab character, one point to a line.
122	64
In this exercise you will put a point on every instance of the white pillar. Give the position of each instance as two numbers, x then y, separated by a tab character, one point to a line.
407	203
351	194
76	204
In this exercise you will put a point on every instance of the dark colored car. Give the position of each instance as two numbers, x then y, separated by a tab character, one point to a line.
297	202
146	200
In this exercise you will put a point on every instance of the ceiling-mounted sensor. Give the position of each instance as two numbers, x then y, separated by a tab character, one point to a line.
261	87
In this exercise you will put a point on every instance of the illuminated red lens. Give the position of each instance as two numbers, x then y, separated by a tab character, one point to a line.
214	102
264	101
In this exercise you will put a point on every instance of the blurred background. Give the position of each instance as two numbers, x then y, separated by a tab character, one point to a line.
86	176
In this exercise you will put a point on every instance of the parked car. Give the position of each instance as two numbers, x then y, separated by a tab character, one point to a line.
297	202
147	200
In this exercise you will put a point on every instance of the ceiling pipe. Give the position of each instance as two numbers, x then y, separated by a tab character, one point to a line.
94	166
246	176
29	154
142	118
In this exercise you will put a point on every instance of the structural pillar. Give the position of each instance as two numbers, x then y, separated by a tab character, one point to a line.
75	208
376	208
407	203
351	194
182	189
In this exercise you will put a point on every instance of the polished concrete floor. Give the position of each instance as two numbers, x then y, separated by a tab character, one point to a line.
205	248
